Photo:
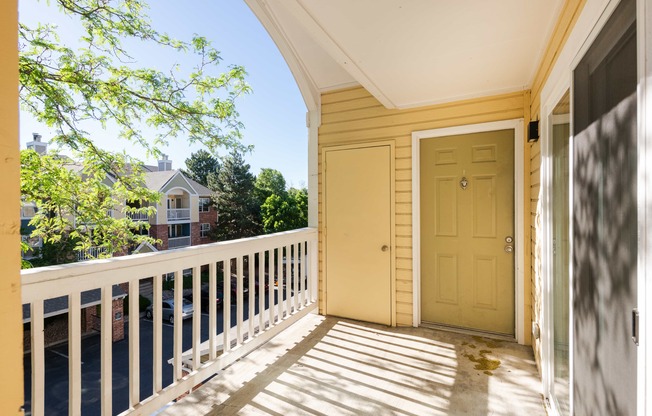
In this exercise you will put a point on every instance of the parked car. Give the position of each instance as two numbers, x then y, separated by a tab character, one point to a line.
204	297
234	288
168	310
245	283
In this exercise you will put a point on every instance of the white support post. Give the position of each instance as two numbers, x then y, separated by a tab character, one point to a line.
288	280
261	294
212	310
157	324
74	353
239	299
314	121
313	279
134	343
295	276
272	288
281	283
196	317
252	295
178	326
106	335
226	308
38	359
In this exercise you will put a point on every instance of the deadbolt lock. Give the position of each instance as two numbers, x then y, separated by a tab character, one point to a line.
509	239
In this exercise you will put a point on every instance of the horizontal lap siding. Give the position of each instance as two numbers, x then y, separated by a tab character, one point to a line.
354	116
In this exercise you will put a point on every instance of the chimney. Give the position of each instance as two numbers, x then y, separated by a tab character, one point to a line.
164	164
40	147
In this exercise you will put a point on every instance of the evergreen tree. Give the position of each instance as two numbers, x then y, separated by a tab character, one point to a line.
235	199
200	164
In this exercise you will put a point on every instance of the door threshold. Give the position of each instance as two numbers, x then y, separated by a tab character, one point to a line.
468	331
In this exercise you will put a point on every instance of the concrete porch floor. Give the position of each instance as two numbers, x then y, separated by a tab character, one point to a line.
331	366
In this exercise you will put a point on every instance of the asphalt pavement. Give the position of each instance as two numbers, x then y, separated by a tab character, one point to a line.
56	366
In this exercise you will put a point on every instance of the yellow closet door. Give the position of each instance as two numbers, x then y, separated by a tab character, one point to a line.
357	204
467	231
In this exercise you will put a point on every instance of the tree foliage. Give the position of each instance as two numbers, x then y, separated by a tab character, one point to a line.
65	87
237	206
287	211
269	182
74	201
97	81
200	164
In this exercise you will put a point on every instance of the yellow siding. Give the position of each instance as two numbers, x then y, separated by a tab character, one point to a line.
566	21
353	116
11	347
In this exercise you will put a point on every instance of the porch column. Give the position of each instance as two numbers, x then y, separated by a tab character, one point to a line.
11	347
313	121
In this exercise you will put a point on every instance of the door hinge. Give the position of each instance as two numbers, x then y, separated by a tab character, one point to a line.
635	325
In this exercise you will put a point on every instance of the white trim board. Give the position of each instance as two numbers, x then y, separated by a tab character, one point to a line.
519	213
592	19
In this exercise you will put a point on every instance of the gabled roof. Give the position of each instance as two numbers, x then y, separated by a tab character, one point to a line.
157	180
144	247
201	189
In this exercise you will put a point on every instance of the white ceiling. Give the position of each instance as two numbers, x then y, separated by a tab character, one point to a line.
410	52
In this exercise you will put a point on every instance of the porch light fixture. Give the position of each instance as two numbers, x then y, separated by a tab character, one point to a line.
533	132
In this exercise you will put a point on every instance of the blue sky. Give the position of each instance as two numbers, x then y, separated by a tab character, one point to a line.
273	115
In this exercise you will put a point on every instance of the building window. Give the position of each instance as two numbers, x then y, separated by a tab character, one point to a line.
204	229
178	230
204	204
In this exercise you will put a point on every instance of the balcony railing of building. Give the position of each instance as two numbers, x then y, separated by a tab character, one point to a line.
138	216
178	242
28	211
256	318
91	253
179	214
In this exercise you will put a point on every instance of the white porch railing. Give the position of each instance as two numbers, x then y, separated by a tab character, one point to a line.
138	216
177	242
91	253
262	256
178	214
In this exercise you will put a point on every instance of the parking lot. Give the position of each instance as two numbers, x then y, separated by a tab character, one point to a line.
56	365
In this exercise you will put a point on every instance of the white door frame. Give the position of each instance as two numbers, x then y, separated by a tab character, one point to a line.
546	321
592	19
519	213
392	215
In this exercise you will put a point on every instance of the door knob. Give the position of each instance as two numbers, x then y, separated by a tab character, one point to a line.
509	249
385	247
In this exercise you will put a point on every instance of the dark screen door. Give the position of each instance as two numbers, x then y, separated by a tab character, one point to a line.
605	220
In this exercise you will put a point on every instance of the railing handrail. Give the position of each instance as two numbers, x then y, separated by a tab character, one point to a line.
52	281
287	304
138	215
179	242
178	214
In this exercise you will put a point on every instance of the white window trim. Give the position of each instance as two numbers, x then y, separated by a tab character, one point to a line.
208	207
202	230
592	19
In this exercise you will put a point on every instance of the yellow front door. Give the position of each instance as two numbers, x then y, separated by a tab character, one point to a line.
357	226
467	231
